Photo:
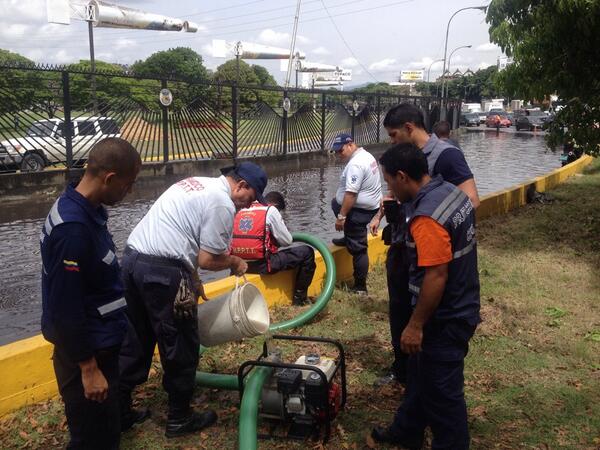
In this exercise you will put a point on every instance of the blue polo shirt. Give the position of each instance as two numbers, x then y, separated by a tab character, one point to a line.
82	292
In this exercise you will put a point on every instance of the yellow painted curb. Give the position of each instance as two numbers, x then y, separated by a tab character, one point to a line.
26	366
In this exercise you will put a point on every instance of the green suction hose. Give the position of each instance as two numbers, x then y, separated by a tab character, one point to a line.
249	408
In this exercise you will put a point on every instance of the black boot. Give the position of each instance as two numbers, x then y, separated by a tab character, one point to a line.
179	425
388	436
360	286
133	417
300	298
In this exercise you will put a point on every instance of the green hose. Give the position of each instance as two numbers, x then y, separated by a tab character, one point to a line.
247	435
255	380
327	291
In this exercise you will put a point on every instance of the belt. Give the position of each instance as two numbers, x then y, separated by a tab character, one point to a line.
155	260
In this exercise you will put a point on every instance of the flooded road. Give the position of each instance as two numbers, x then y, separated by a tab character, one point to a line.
498	161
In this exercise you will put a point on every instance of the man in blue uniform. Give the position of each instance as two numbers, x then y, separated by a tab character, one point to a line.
404	124
444	285
82	295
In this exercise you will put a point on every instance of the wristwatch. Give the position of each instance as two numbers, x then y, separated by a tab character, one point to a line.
341	217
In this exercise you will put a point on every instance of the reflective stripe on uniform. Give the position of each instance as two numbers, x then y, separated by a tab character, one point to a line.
469	248
411	244
109	257
112	306
413	288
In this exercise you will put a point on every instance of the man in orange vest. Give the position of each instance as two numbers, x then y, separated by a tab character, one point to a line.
258	234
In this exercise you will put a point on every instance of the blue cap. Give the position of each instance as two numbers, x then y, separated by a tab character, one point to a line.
341	140
252	174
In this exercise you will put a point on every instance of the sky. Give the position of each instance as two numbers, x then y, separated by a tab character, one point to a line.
375	38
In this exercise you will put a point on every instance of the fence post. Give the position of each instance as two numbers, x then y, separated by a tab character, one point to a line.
68	129
284	123
234	119
165	126
378	117
323	106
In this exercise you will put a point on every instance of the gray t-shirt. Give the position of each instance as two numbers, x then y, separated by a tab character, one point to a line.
361	176
193	214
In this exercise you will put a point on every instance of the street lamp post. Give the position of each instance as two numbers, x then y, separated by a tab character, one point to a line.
450	59
429	70
480	8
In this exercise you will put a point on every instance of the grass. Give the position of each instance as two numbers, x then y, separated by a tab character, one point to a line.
532	374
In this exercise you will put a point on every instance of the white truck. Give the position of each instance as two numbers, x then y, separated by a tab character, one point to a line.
44	143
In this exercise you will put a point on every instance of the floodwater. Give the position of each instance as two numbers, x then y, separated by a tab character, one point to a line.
498	161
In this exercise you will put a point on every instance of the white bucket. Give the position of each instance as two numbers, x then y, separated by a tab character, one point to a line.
240	314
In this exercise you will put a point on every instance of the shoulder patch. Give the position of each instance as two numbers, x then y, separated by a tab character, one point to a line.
71	266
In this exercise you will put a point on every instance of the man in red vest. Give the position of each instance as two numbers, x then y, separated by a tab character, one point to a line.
258	234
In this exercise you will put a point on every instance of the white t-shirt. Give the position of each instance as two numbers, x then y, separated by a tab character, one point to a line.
193	214
277	227
361	176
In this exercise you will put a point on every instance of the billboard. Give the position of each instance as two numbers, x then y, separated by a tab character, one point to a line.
412	75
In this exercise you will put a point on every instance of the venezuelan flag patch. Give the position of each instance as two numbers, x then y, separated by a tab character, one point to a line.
71	266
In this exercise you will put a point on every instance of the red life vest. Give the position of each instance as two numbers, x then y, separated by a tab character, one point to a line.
251	237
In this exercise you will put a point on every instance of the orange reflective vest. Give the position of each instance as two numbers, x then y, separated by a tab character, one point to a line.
251	237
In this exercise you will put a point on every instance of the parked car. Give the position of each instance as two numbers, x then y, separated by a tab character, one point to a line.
482	117
44	143
469	120
496	111
531	120
497	120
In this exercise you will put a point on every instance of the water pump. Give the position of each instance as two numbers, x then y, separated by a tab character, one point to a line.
302	397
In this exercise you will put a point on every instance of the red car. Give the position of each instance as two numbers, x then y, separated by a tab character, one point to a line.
495	120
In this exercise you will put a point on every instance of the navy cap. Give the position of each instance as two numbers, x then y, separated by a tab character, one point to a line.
341	140
252	174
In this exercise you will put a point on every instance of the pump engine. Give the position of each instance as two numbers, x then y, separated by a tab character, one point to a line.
304	396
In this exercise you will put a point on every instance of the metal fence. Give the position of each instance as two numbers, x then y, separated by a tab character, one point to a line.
51	117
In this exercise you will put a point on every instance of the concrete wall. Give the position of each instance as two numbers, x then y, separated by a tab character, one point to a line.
26	367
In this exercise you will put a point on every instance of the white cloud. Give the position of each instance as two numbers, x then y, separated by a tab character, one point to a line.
272	37
387	64
124	43
62	57
487	47
349	62
320	51
12	31
24	10
485	65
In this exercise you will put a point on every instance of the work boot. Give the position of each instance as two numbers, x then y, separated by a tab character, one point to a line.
360	287
300	298
133	417
340	242
189	423
388	436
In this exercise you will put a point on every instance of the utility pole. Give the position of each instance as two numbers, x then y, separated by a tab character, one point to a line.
90	18
293	45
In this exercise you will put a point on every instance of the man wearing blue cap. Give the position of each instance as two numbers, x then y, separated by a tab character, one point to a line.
357	200
189	227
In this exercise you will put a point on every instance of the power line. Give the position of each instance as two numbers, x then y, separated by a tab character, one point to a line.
237	32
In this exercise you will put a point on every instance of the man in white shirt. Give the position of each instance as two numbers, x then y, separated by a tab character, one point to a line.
188	227
357	200
258	234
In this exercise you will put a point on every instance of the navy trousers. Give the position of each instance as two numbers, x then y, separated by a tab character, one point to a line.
151	284
301	257
355	233
400	308
92	425
435	390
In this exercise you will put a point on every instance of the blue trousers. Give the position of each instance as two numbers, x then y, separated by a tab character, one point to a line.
435	390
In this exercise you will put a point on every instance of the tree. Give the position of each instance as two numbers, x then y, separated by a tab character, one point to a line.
179	63
263	75
248	75
555	49
472	88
